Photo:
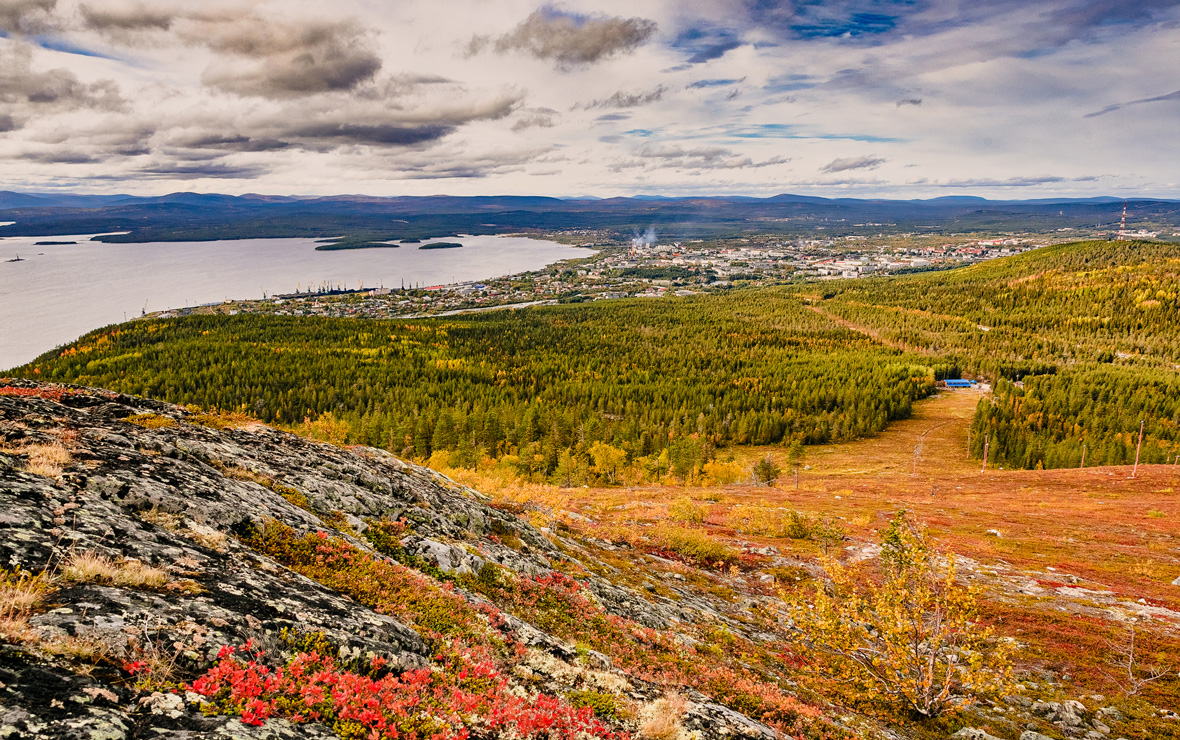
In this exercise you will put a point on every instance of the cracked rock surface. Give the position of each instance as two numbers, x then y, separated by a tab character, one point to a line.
172	497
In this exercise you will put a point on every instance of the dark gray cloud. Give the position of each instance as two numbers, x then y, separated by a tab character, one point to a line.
28	92
189	171
383	128
852	163
330	128
624	99
909	101
1174	96
18	17
282	60
129	16
382	134
569	39
220	142
59	156
7	123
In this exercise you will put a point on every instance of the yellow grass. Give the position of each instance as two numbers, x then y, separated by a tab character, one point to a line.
91	567
47	460
20	594
151	421
661	718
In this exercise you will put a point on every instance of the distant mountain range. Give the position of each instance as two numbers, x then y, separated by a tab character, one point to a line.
197	216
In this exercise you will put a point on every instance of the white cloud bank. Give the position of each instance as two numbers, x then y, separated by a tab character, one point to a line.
846	97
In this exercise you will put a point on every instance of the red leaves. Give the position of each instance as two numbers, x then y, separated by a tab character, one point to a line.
136	666
416	705
52	393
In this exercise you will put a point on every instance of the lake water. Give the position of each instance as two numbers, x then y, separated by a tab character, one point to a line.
57	293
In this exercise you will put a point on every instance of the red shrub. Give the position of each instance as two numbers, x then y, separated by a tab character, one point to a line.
424	703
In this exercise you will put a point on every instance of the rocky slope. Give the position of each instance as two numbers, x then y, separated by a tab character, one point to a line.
148	520
172	574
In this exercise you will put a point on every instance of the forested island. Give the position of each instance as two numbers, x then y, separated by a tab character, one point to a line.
348	244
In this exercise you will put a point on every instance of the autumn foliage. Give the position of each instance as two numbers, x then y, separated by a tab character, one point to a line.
473	701
909	636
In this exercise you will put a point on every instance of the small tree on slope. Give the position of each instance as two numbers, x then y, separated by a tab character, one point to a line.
908	636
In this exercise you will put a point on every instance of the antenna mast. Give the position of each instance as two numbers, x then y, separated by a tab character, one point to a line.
1123	224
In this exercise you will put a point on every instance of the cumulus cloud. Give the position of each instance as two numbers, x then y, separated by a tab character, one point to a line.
105	137
19	17
25	91
852	163
569	39
257	55
126	15
277	60
623	99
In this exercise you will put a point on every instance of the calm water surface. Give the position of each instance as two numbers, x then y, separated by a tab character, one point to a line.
57	293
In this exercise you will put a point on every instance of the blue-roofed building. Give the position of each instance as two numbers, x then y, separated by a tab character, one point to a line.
958	384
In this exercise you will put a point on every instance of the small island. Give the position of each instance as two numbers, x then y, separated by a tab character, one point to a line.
52	244
336	246
441	245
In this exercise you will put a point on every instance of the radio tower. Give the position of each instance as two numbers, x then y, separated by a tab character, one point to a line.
1123	224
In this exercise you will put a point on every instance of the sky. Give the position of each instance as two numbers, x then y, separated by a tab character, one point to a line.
853	98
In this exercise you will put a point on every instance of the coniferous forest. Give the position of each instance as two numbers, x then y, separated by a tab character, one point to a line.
1079	341
666	381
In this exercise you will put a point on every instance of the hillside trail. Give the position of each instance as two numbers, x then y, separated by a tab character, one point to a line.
932	441
870	333
1116	532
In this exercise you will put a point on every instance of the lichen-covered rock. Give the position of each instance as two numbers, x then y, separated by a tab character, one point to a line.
150	484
